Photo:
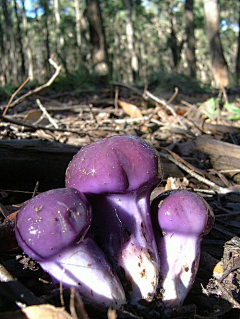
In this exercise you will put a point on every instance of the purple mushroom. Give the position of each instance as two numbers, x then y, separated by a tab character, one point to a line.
117	174
52	229
180	220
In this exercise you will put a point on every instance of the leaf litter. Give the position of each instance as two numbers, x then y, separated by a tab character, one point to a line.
183	133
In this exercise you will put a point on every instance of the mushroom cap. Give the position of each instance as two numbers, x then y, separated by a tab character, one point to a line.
116	164
181	211
52	220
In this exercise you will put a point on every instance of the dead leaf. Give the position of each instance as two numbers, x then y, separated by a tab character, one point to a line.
36	312
35	117
46	311
176	183
130	109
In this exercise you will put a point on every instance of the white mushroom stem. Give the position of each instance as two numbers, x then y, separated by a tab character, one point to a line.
127	232
84	266
179	263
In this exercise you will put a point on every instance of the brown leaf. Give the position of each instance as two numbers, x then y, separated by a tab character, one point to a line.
37	312
46	311
35	117
130	109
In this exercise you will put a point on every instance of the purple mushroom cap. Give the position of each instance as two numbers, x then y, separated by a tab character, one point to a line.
185	212
51	221
117	164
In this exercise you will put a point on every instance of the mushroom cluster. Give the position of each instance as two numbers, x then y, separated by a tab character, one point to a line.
101	235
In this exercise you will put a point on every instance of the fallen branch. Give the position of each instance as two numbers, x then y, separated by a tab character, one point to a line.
38	89
39	127
46	114
167	105
14	94
189	169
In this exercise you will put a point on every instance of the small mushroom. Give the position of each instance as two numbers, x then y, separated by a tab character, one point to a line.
180	220
52	228
117	174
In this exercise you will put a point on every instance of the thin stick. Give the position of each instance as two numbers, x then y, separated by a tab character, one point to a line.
76	305
173	96
72	303
14	94
39	127
116	98
45	112
219	189
39	88
164	103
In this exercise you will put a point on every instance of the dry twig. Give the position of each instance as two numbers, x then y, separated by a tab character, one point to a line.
39	88
167	105
45	112
187	168
76	305
14	94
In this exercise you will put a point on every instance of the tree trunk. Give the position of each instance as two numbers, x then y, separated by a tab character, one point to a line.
97	38
20	42
12	63
79	52
27	42
3	65
60	37
219	64
58	25
190	52
175	46
130	41
44	4
78	22
238	52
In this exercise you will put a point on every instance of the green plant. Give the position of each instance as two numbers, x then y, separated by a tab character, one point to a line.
211	108
234	110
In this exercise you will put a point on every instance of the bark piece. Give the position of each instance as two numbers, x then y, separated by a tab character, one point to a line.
24	162
216	128
224	156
